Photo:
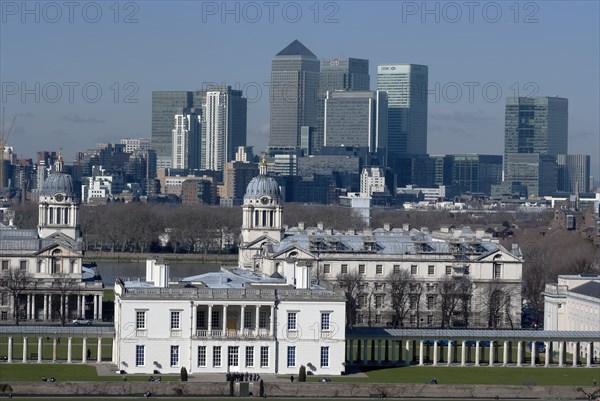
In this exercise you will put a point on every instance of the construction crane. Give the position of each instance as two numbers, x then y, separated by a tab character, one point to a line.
4	135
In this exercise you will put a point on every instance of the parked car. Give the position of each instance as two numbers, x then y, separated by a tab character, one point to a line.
81	322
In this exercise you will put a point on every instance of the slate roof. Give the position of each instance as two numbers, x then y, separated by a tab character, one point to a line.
27	242
590	289
296	49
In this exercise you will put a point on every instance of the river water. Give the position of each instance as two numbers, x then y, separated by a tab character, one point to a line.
110	270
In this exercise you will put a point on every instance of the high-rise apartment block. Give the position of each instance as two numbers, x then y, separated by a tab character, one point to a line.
186	139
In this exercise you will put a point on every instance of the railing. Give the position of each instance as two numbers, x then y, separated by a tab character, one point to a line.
245	333
556	289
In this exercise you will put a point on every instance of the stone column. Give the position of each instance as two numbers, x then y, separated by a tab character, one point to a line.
256	321
575	353
561	354
407	352
79	314
28	314
589	354
54	344
84	349
463	353
435	352
519	353
70	350
365	352
194	319
492	353
242	318
45	306
421	352
379	352
547	354
99	351
533	352
272	331
10	350
40	349
24	349
449	352
100	307
82	310
477	353
210	320
95	307
505	354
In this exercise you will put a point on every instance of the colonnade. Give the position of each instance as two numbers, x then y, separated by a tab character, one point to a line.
28	346
37	309
463	352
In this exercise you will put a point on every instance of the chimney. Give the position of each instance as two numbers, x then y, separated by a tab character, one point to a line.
387	227
301	225
406	227
320	225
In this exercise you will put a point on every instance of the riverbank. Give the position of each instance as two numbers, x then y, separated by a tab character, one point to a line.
127	257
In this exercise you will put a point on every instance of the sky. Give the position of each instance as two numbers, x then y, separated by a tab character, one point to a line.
82	72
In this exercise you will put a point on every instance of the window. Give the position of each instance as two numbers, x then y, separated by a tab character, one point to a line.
140	320
448	270
5	265
200	319
291	356
362	301
23	265
248	319
324	357
139	355
497	270
430	302
413	320
175	320
202	355
264	357
359	319
396	269
413	269
233	356
4	315
215	319
325	321
430	320
249	357
431	270
326	269
361	269
344	269
413	302
4	299
174	355
291	320
378	301
378	319
216	356
379	269
262	321
466	270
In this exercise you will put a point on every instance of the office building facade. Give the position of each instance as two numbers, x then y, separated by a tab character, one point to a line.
186	139
165	104
573	173
294	92
536	171
406	85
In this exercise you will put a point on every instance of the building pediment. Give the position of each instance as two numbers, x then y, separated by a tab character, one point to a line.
499	255
65	252
294	252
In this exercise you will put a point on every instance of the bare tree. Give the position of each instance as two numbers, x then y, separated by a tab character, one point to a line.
416	291
400	284
16	282
65	286
448	291
465	294
351	283
536	274
496	302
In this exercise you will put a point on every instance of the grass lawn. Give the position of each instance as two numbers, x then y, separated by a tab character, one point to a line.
481	375
63	372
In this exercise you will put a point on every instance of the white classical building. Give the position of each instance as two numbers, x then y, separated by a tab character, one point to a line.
429	258
231	321
43	268
573	304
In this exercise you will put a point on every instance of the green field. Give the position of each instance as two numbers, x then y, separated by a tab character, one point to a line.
413	374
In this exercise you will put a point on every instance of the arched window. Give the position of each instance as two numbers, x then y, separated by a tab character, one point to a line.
56	262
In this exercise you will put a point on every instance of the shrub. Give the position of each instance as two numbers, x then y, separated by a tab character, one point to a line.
302	374
184	374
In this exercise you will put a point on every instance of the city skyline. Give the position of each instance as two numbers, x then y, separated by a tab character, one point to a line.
119	58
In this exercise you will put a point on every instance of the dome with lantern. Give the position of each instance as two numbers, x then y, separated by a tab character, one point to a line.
262	185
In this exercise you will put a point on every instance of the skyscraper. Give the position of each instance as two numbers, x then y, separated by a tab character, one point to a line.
573	173
406	85
186	139
536	125
165	104
346	74
223	127
357	118
294	91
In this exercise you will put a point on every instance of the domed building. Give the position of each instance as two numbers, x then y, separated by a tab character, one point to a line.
261	218
59	288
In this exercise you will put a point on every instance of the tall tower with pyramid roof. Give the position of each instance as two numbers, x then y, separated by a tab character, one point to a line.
294	94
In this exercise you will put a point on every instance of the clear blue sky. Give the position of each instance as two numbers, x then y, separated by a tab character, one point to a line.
545	48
